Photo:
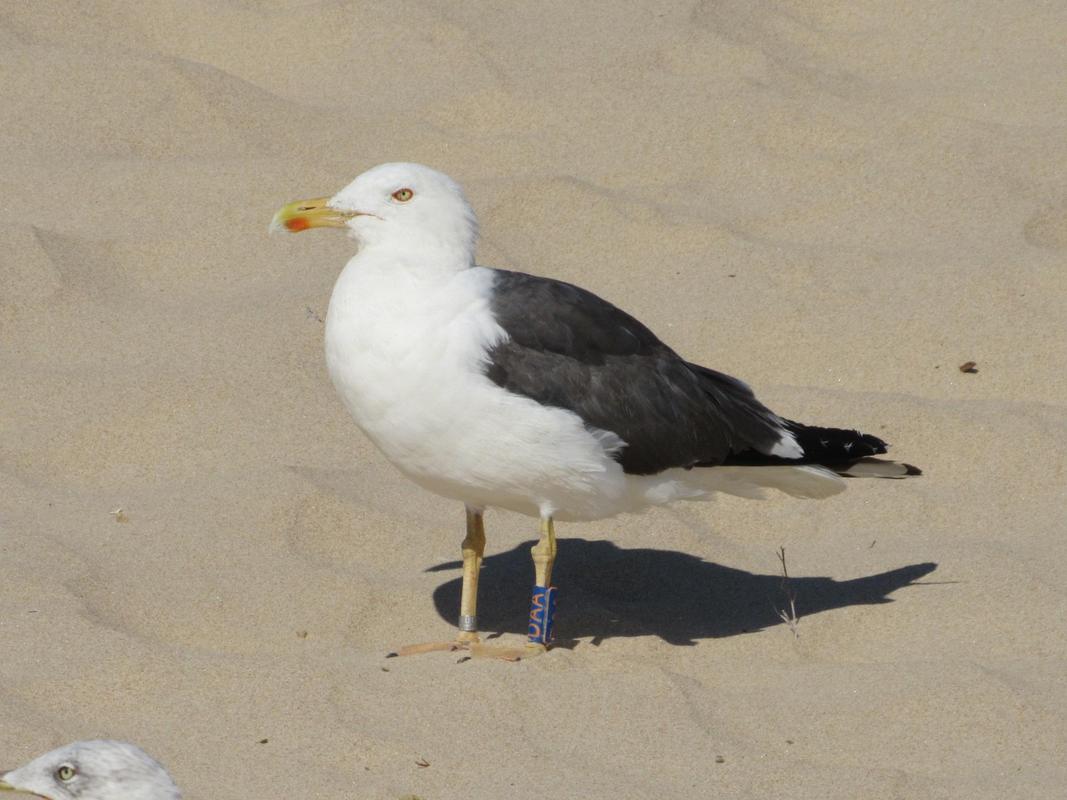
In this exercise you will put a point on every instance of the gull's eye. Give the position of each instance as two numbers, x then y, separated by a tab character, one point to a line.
403	195
66	772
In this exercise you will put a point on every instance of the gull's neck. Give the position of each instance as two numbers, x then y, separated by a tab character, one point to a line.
413	257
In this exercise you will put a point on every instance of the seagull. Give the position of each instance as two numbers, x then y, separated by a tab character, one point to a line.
94	770
505	390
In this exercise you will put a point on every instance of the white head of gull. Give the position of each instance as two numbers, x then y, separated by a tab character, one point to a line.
501	389
407	210
92	770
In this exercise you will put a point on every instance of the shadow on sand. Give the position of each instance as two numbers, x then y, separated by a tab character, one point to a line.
607	591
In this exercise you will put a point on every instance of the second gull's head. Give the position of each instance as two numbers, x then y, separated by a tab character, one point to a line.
95	770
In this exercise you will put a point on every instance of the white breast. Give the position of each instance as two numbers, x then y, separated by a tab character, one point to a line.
406	352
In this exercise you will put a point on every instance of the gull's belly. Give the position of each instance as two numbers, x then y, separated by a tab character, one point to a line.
460	435
419	392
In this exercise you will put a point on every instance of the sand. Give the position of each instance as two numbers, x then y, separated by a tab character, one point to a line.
839	202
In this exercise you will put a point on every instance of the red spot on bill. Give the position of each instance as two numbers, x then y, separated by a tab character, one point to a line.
297	224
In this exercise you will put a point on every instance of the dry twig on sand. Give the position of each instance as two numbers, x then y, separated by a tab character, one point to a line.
789	617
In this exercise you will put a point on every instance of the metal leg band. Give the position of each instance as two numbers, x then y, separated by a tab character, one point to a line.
468	623
542	614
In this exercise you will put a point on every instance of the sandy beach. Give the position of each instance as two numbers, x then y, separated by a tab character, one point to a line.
840	203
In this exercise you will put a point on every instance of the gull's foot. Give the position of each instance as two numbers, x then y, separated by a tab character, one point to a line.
471	644
517	652
429	647
463	641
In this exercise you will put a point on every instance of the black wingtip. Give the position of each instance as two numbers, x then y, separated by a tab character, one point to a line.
836	448
878	447
822	444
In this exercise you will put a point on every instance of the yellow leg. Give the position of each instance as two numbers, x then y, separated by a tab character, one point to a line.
544	556
544	553
473	551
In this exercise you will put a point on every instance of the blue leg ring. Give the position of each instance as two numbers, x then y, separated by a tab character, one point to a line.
542	614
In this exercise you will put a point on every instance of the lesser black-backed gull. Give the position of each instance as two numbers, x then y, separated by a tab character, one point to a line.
501	389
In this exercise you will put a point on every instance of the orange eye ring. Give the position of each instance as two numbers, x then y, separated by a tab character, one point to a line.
403	195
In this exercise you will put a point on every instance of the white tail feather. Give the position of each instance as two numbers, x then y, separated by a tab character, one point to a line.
878	468
800	480
805	481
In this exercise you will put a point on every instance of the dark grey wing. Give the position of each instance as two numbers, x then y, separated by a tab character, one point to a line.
570	349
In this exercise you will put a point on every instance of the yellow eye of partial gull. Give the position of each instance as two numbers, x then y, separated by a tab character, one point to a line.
403	195
66	773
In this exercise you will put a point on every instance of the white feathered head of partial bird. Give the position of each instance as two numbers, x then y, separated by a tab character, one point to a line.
94	770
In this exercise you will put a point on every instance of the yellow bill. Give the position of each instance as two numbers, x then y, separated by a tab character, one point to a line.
304	214
7	787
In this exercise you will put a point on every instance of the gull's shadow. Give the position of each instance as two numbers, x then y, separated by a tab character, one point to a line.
607	591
